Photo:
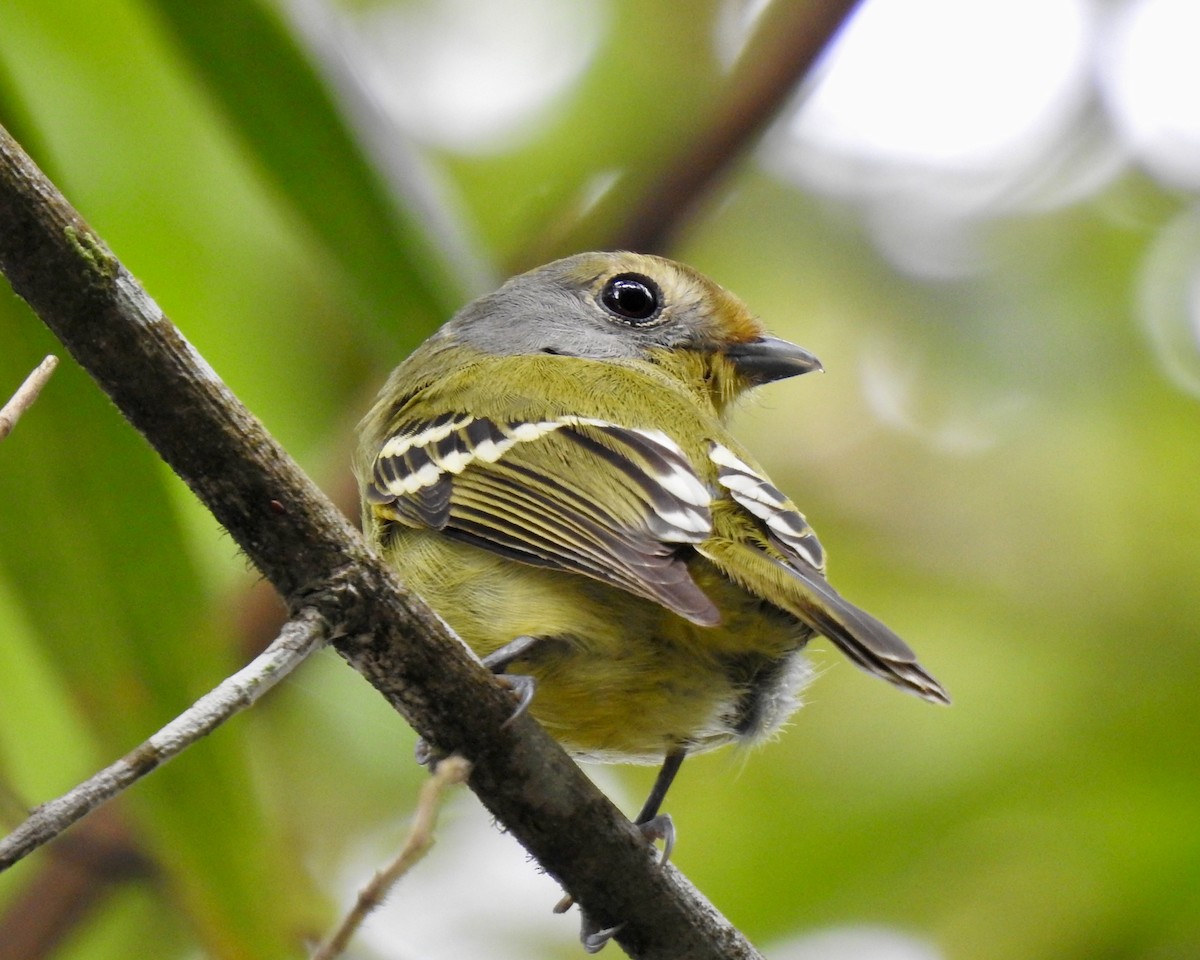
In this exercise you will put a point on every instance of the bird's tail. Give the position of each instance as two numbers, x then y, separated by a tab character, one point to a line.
866	641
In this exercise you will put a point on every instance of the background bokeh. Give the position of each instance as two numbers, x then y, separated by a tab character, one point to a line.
980	214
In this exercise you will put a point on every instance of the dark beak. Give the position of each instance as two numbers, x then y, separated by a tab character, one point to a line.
769	358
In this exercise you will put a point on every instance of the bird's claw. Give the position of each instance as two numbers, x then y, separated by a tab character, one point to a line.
595	939
661	828
524	687
425	755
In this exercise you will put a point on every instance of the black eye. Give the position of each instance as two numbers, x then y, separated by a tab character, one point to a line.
632	298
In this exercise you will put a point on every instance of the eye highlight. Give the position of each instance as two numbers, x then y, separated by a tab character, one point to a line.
632	298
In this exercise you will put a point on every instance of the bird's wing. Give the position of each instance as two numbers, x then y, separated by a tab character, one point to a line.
782	560
579	494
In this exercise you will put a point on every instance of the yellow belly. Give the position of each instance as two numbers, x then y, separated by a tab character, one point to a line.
618	678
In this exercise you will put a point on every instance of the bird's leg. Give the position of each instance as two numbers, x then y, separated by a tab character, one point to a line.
595	939
523	686
653	826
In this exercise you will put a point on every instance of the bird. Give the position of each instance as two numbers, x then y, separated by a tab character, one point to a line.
551	471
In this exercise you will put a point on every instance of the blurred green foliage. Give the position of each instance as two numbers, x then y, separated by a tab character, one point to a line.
1021	504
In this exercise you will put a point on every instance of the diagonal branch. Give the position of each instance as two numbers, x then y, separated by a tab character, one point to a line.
317	560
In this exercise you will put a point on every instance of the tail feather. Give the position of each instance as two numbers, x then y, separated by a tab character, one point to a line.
864	640
870	644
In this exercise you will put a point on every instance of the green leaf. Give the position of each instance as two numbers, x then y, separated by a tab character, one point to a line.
252	66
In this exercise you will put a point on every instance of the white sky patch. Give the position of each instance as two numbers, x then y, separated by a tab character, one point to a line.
1151	76
949	82
937	116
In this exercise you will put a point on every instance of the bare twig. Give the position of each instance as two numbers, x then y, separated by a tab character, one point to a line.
787	41
648	208
26	393
451	771
299	638
317	560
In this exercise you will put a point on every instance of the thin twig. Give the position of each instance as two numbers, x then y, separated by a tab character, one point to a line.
300	637
26	393
451	771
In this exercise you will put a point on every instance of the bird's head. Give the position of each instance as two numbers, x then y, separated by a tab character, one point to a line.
629	306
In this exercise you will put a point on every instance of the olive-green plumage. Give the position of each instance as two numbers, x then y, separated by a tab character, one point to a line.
553	464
